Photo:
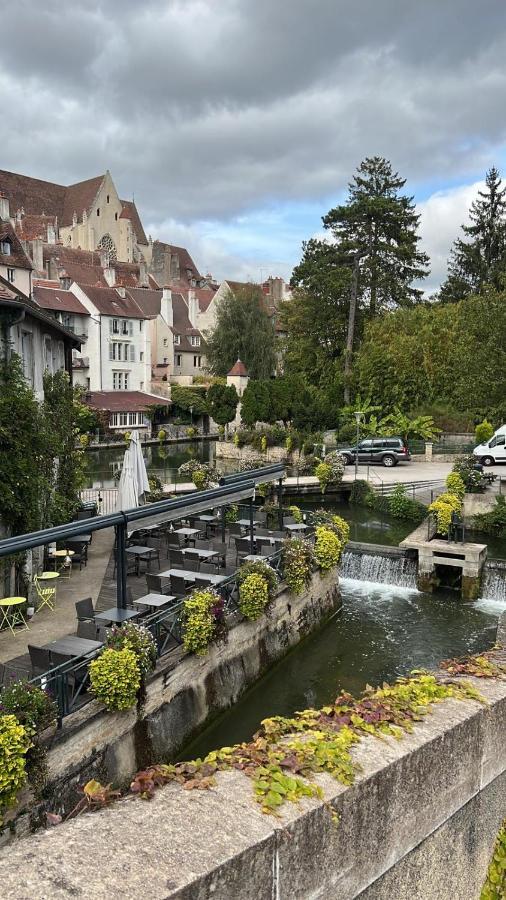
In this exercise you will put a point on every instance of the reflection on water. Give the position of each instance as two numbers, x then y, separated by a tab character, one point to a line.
162	460
366	525
382	632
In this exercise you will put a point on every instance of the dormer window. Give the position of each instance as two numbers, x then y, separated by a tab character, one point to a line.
5	248
177	338
194	340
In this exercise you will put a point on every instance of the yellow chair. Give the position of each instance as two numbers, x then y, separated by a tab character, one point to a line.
46	595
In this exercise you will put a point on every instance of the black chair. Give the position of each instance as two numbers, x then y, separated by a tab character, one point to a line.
288	520
157	584
102	634
191	563
202	545
208	568
242	549
87	630
40	660
9	674
221	549
176	558
84	514
131	564
178	586
84	609
201	583
234	531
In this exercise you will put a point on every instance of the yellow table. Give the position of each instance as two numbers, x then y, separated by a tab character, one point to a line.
10	609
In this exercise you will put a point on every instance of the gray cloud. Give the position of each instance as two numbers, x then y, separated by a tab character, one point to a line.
207	109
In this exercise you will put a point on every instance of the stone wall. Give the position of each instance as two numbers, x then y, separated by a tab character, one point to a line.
419	822
228	450
184	693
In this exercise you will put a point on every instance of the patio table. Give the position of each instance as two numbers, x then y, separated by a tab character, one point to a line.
141	553
245	523
117	615
72	646
189	534
296	527
201	552
154	600
191	576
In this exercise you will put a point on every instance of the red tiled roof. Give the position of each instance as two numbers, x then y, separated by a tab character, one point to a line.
82	266
129	211
127	274
57	299
9	293
32	227
153	283
79	197
33	195
17	258
239	369
109	303
123	401
148	300
203	295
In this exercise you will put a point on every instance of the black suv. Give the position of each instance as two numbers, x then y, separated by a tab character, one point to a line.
387	451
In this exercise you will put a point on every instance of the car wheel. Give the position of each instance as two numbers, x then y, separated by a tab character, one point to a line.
347	459
487	460
389	461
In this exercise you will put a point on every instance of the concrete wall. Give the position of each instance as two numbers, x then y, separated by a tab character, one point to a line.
185	692
419	823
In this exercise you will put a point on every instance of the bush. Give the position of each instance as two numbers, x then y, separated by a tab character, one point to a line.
323	473
253	596
32	707
202	611
259	568
296	513
443	507
328	548
192	431
232	514
162	434
493	522
200	473
337	465
306	465
474	480
360	491
298	563
455	485
483	432
138	639
327	519
14	744
115	678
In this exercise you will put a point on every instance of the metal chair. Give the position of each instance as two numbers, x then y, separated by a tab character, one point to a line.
234	531
84	609
40	660
46	595
242	549
176	558
207	569
178	586
191	563
157	584
221	548
201	583
87	630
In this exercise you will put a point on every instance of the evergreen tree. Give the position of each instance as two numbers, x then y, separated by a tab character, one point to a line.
222	403
479	259
243	331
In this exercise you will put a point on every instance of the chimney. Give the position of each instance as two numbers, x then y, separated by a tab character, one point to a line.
110	275
166	309
35	253
51	234
193	308
143	274
4	207
52	271
104	259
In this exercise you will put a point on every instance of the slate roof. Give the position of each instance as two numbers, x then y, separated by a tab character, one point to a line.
17	258
58	300
148	300
123	401
78	197
109	303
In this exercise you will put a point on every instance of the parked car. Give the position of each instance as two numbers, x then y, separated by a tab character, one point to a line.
494	450
385	451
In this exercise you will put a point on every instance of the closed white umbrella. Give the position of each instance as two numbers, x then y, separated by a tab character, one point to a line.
128	496
138	466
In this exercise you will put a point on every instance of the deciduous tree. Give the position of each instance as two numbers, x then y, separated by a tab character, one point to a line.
243	330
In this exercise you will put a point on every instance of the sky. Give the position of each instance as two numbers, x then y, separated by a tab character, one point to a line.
236	124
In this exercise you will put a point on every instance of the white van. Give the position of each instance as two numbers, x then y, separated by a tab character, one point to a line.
493	450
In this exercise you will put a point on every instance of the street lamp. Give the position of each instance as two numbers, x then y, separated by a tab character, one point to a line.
358	415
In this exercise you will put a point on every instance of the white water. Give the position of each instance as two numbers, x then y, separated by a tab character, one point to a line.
494	584
395	571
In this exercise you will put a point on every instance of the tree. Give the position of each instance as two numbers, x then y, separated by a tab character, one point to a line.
479	258
255	402
243	330
222	403
61	415
371	265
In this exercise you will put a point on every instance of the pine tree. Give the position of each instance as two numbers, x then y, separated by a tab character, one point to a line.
481	259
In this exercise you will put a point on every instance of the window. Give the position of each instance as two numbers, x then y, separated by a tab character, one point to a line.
197	362
88	383
178	359
114	326
68	321
141	386
165	342
98	211
108	198
141	356
177	339
195	340
497	441
141	324
115	217
132	352
27	354
10	275
116	350
61	355
126	376
5	248
126	327
48	354
120	381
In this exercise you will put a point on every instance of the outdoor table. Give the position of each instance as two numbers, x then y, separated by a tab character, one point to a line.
80	539
245	523
191	576
63	554
154	600
254	557
296	527
11	615
48	576
209	520
72	646
188	533
141	553
117	615
201	552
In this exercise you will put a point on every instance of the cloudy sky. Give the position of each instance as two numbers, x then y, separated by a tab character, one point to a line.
238	123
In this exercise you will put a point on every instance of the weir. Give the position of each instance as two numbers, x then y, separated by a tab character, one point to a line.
443	562
389	568
493	586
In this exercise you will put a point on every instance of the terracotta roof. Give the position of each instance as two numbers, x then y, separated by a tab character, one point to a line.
129	211
183	326
153	283
127	274
57	299
17	258
33	195
123	401
33	227
82	266
9	293
78	197
109	303
148	300
203	295
239	369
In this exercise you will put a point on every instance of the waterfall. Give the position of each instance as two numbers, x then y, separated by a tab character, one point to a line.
398	571
493	585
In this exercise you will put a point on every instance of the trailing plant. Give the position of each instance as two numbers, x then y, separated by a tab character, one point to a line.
202	612
34	709
253	596
296	514
298	563
443	508
328	548
263	569
475	480
495	882
115	678
455	485
336	461
14	744
200	473
137	638
323	473
333	522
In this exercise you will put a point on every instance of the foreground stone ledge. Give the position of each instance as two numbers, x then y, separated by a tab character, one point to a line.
419	822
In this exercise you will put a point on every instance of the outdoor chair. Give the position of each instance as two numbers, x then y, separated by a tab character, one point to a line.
131	564
102	634
87	630
262	532
40	660
201	583
157	584
46	595
191	563
75	679
83	514
84	609
207	568
288	520
176	558
221	547
80	554
155	543
234	531
178	586
264	548
202	545
242	549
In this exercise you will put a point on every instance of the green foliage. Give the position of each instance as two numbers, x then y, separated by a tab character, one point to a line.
33	708
443	507
493	522
397	504
14	744
296	513
115	678
360	491
475	481
323	473
483	432
162	434
232	514
186	398
264	570
298	563
243	330
255	404
455	485
202	475
86	419
156	491
222	403
60	414
201	611
495	883
336	462
253	596
136	638
327	519
398	423
328	548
